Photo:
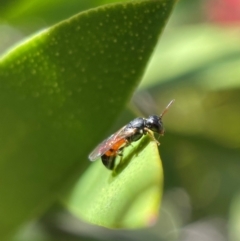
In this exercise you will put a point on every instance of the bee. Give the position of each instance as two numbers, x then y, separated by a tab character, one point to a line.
114	145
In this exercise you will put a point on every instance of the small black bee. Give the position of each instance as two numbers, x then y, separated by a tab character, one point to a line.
113	146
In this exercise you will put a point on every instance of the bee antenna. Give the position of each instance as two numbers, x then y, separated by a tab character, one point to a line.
166	109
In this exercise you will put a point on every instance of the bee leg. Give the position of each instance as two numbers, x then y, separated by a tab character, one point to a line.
151	135
108	161
120	152
128	143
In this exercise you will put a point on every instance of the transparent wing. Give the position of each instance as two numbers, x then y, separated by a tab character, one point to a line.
107	144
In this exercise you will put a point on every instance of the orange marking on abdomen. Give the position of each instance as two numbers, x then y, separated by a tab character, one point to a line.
116	147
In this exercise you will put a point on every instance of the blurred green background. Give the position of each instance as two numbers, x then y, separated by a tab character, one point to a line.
197	62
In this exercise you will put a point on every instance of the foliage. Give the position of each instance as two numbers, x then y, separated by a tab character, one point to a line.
197	63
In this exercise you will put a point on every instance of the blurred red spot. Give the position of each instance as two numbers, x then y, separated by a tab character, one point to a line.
223	11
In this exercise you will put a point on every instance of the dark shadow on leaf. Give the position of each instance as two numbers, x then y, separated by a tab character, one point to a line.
125	159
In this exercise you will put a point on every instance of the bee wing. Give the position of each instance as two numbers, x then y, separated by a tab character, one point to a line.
107	144
104	146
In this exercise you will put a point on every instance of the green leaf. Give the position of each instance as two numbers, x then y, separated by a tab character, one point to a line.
234	220
128	197
23	12
218	48
59	93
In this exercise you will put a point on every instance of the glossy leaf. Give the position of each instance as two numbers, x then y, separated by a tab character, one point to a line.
127	197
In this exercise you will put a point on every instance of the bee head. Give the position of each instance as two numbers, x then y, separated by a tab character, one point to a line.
154	123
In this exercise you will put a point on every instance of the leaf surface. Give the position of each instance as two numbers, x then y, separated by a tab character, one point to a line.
127	197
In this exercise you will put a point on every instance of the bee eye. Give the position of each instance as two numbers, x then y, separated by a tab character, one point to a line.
155	124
